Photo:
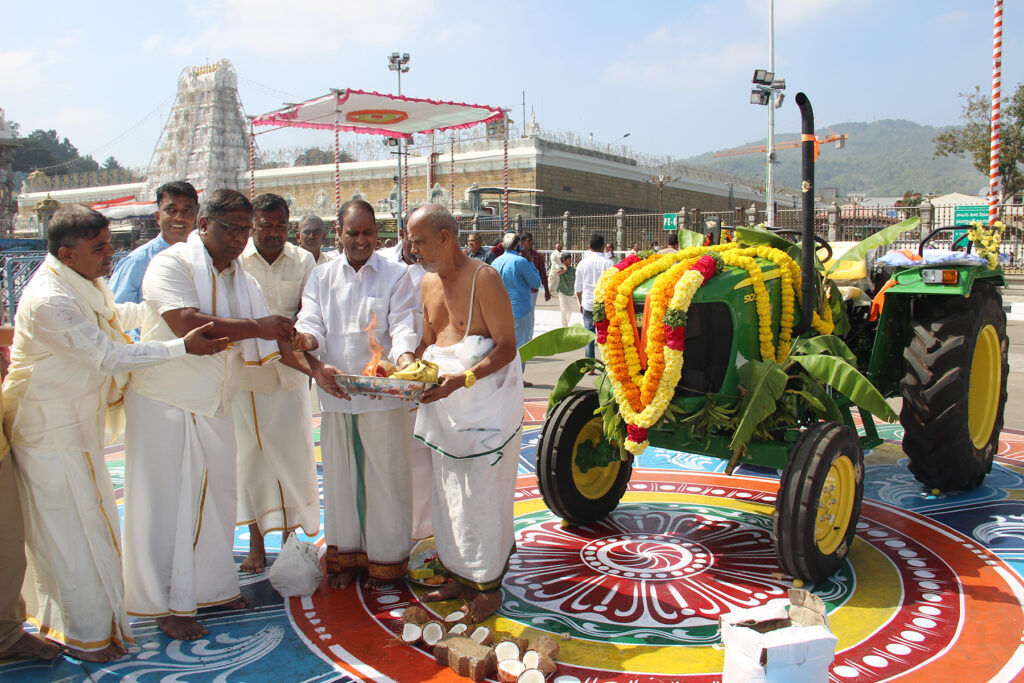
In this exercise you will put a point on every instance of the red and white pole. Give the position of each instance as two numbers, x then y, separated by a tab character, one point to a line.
997	66
252	162
337	168
451	176
504	194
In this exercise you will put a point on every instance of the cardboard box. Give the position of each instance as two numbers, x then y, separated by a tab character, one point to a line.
779	642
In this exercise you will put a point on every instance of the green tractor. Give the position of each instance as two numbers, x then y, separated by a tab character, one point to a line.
939	343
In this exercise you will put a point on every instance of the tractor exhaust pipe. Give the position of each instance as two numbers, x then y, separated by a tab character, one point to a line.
808	275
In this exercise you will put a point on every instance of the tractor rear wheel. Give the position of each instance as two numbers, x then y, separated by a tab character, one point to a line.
954	390
819	501
575	495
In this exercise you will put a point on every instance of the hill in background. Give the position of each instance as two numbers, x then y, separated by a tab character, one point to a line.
887	157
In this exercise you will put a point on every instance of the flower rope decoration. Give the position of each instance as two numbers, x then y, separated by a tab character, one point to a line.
642	397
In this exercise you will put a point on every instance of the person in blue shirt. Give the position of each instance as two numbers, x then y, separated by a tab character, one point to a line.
520	278
177	207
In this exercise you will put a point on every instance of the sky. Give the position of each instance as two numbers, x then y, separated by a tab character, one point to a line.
674	75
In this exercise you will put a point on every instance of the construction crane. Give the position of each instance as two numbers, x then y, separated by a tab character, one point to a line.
838	138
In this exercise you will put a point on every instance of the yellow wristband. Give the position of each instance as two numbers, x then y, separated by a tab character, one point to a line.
470	378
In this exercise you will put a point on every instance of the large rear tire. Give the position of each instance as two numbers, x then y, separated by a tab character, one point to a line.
574	495
820	494
954	390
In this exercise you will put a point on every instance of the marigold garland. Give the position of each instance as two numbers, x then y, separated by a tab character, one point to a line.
642	397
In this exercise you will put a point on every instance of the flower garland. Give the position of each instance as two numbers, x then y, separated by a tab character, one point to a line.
987	241
642	397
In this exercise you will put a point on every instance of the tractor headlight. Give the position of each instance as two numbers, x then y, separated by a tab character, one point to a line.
937	276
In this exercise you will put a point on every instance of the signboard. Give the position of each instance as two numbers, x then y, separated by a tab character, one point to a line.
669	221
968	213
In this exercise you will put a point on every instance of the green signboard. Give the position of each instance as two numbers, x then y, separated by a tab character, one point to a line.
968	213
670	221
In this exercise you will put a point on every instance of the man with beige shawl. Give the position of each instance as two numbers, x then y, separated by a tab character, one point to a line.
69	364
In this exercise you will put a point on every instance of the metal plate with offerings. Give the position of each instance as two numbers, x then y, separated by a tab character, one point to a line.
409	390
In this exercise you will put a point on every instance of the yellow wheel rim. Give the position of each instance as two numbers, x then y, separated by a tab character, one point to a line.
835	505
984	391
596	482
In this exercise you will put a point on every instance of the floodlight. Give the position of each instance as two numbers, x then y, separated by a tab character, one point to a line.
778	99
759	96
779	84
763	77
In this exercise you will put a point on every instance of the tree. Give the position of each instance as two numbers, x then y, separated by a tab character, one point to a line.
311	156
44	148
973	139
112	164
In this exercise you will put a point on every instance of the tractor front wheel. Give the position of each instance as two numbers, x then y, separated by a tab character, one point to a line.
819	501
580	495
954	390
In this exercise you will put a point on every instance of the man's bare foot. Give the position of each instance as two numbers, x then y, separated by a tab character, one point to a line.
107	654
484	605
342	578
447	591
181	628
30	646
379	583
237	603
256	560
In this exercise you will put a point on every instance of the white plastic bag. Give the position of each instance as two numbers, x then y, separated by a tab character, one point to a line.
296	571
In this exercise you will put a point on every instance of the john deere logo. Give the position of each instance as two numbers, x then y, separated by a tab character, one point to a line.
377	116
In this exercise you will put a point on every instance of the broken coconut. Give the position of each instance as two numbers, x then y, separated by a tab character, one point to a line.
535	660
545	645
415	615
531	676
458	630
454	618
506	650
411	633
509	670
433	631
483	635
466	657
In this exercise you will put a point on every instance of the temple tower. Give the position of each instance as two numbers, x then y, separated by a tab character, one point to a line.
205	139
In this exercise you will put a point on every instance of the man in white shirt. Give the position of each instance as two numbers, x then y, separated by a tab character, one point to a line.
180	497
69	364
310	235
277	487
594	263
354	307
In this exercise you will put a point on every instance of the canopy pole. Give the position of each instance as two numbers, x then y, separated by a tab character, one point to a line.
252	161
405	179
337	170
451	177
997	65
504	194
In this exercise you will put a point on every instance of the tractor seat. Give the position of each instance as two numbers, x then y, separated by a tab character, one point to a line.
851	277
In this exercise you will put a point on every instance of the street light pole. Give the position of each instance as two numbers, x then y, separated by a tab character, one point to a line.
400	64
770	178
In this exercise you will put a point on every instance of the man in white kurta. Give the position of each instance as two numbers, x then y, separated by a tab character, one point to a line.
180	499
277	486
69	363
364	442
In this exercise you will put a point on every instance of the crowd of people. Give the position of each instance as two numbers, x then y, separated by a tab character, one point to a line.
202	351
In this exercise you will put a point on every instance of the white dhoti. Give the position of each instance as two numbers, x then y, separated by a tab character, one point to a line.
421	473
367	517
179	521
277	487
72	586
475	436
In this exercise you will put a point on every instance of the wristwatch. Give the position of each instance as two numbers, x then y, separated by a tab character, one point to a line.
470	378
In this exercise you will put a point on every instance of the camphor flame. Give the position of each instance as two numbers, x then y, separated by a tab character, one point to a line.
375	348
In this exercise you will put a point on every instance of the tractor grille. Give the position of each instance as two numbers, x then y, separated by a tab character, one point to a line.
708	347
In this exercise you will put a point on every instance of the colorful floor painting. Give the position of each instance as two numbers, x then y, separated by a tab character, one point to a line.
932	589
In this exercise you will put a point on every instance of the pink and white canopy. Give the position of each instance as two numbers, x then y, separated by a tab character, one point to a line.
395	116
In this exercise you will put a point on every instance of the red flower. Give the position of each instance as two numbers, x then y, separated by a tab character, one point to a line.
705	265
602	331
627	262
675	337
637	434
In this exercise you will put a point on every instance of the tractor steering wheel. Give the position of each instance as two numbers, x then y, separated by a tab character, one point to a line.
822	244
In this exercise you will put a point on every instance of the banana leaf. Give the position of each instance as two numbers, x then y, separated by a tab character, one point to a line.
847	380
570	377
881	238
689	238
827	344
765	382
556	341
754	236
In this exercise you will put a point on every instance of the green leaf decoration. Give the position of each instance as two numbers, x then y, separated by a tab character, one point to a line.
765	382
570	377
755	236
689	238
556	341
674	317
881	238
808	385
827	344
847	380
